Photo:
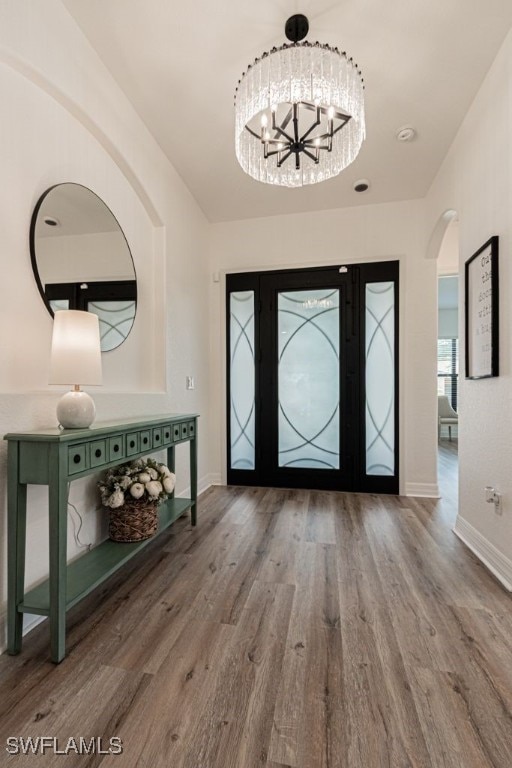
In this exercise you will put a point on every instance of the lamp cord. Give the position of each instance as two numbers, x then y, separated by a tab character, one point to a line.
76	533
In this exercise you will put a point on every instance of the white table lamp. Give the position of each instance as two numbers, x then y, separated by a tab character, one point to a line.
75	357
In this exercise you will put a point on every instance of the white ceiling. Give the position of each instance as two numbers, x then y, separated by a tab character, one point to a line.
179	63
78	212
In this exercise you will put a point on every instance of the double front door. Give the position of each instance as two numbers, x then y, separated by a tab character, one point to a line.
312	378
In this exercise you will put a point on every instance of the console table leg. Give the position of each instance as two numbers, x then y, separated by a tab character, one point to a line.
58	503
193	480
17	522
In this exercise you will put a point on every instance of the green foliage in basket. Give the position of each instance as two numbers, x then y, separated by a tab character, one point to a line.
144	479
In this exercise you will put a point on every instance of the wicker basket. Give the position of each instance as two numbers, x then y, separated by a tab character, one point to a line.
133	521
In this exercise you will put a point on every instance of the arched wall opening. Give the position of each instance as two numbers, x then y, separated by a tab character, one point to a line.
444	248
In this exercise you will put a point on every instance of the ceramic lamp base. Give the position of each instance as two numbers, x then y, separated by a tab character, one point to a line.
76	410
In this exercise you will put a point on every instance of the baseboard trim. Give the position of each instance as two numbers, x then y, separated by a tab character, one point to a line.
427	490
202	485
497	563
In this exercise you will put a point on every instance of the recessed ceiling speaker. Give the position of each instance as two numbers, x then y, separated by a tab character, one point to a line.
362	185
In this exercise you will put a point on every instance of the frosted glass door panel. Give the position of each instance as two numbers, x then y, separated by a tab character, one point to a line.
308	379
57	304
380	378
242	377
116	321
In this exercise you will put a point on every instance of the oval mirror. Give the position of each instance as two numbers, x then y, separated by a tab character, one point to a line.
81	260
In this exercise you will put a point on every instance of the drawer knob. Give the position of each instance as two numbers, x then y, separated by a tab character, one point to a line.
157	438
77	458
132	443
166	435
145	441
116	448
97	452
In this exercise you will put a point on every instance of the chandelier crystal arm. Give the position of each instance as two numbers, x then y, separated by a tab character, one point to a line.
315	158
283	159
281	130
287	119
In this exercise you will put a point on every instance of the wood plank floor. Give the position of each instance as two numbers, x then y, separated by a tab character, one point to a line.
291	629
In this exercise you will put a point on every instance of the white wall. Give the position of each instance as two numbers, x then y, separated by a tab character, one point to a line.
476	180
371	233
62	118
448	256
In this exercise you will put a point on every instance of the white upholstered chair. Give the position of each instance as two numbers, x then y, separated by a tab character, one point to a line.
446	416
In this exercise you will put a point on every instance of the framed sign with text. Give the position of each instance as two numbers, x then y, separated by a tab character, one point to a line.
482	312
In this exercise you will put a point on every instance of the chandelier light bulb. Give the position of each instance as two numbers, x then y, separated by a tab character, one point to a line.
315	96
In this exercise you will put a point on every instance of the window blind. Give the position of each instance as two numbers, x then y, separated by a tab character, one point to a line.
448	369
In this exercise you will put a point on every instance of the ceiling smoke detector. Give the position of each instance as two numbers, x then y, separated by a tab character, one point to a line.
407	133
362	185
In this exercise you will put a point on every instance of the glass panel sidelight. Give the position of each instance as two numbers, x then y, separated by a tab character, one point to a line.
242	378
380	378
116	321
57	304
309	378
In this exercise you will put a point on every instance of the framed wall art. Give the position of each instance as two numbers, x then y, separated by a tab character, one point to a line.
482	312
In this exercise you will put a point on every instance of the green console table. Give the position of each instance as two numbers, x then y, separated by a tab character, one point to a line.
55	457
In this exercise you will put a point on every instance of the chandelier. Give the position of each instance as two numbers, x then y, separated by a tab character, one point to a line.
299	112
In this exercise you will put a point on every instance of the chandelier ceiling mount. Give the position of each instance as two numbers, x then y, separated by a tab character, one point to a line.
297	27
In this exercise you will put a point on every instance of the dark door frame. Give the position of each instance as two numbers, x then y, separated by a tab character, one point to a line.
352	285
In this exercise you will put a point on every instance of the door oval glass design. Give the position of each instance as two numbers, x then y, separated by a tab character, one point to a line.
81	260
308	379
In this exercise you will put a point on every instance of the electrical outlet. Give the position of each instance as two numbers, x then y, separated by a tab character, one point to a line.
190	382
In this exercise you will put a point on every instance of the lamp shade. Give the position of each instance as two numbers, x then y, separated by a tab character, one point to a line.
76	352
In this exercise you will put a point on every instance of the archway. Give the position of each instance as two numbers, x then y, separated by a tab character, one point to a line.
444	248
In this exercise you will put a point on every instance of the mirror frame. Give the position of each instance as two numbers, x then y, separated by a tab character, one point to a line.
33	255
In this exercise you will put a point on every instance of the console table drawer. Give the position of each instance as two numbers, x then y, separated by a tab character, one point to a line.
116	449
184	430
157	437
167	434
77	459
176	432
191	429
132	443
145	440
98	451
